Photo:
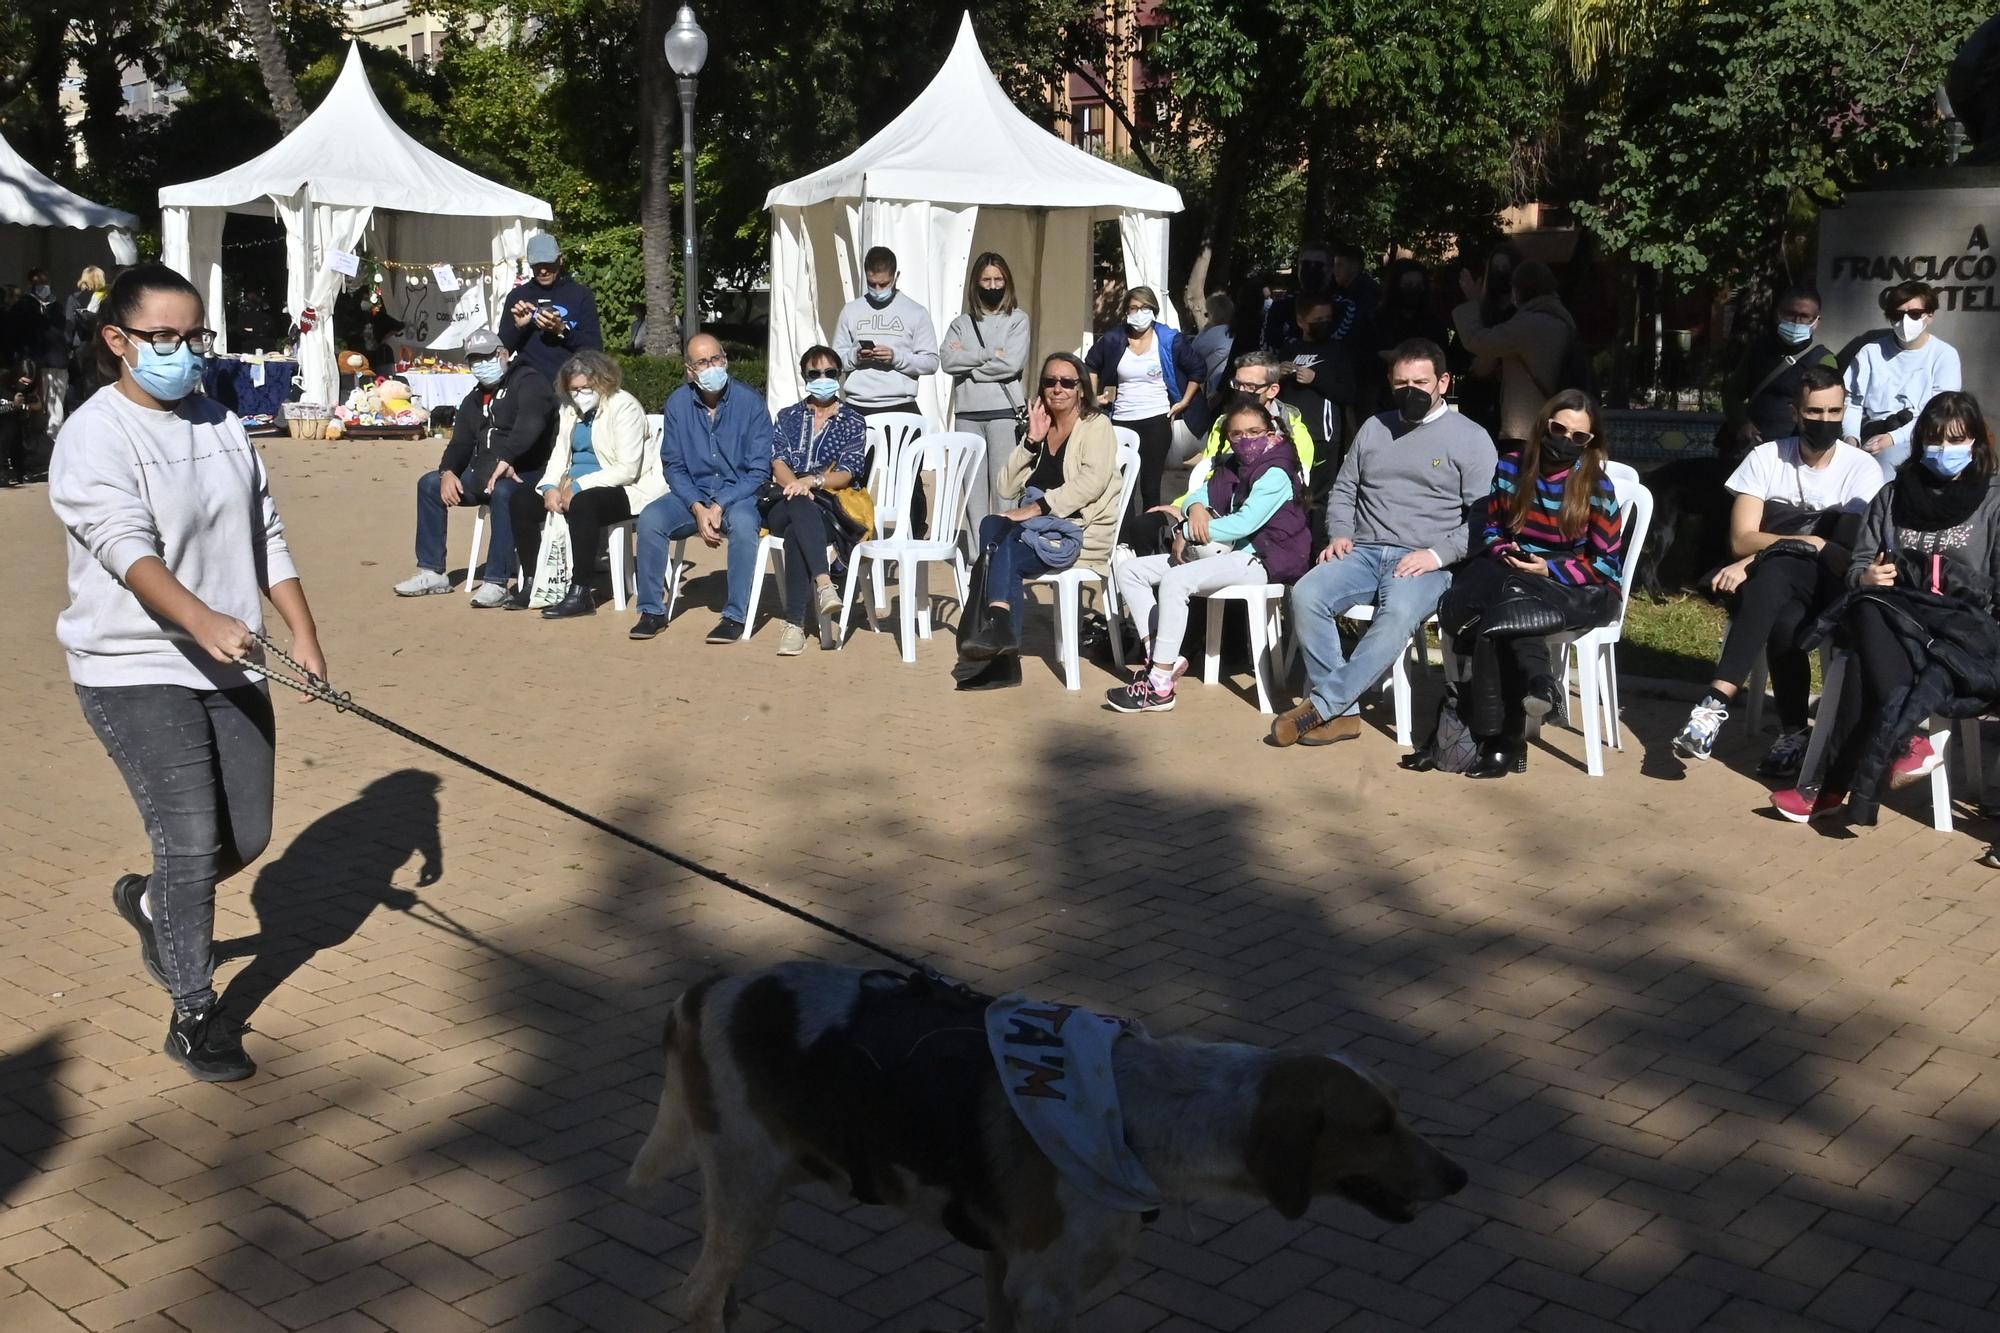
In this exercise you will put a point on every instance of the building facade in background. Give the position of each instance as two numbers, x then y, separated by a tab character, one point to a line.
1082	110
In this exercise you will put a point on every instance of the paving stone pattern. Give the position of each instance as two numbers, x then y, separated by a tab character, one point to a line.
1708	1070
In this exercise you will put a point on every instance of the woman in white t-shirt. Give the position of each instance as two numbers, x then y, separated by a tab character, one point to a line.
1147	374
1798	507
1896	373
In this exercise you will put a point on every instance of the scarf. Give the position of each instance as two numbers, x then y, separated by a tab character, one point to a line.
1924	502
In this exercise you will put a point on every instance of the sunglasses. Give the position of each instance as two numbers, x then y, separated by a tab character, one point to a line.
474	358
829	372
1578	437
1912	312
1060	381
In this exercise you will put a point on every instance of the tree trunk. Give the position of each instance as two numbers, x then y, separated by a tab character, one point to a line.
659	116
271	62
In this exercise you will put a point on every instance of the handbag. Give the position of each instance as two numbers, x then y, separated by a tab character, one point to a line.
1452	747
1021	408
552	567
1529	607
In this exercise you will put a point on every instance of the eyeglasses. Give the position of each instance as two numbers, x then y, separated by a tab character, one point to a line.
1580	438
1254	433
1060	381
719	359
167	341
1242	386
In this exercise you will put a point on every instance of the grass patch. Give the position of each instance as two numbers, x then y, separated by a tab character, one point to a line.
1678	639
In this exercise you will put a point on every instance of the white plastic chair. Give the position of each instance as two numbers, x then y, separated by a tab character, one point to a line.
1265	605
476	560
951	458
1069	583
889	435
770	558
1596	650
620	539
1940	733
1397	682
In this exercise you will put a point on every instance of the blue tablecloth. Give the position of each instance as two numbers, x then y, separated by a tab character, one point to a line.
234	384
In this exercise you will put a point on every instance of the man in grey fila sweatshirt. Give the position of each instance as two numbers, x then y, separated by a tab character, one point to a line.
1399	517
886	342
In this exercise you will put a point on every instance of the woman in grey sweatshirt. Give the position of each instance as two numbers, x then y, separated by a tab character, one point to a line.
174	543
984	352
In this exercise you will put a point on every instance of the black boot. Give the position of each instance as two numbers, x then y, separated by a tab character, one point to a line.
208	1046
1545	698
1499	756
576	602
998	673
993	635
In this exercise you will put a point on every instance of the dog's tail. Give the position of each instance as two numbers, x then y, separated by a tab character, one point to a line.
670	1146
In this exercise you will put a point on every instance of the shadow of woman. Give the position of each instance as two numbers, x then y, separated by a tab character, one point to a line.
32	1125
337	871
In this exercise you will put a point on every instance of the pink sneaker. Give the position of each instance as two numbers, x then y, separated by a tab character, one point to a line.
1802	807
1917	763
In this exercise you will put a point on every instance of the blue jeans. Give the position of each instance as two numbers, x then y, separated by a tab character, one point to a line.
666	521
199	765
1012	562
431	520
1366	576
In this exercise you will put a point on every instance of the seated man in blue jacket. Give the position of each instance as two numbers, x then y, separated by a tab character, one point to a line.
717	455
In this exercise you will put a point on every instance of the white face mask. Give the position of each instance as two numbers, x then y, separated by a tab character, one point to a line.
1139	320
1909	328
585	400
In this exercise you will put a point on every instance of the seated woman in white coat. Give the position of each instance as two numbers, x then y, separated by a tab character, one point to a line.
1244	524
602	471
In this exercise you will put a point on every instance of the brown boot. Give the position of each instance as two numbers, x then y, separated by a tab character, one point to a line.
1332	732
1288	726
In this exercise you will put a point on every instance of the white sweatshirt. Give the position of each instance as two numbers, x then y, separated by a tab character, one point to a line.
902	326
185	485
1885	378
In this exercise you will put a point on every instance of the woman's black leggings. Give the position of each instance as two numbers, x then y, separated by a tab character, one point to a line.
799	521
1881	667
1156	440
1775	603
590	513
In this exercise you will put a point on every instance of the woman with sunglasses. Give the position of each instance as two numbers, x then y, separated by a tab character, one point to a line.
1896	373
985	352
1552	515
1070	455
174	543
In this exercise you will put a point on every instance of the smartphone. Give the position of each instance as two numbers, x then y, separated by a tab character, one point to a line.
865	345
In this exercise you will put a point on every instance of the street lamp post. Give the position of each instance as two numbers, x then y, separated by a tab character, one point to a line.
687	51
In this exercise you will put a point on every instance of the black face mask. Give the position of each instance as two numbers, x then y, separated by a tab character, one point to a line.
1558	450
1413	404
1319	330
990	297
1819	436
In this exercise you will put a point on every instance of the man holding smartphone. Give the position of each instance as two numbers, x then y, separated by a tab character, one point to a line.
886	342
551	316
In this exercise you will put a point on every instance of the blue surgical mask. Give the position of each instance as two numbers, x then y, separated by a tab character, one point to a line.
489	371
1793	334
824	388
1948	460
712	378
167	378
881	296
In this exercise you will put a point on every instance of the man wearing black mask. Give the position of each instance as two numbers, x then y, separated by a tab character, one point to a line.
1312	273
1759	394
1397	520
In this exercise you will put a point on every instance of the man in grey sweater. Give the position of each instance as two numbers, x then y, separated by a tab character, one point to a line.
1399	517
886	342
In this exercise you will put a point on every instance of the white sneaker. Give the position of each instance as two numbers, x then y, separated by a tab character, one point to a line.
1697	738
793	641
423	583
489	596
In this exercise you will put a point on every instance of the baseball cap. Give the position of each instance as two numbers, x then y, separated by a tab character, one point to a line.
481	342
542	249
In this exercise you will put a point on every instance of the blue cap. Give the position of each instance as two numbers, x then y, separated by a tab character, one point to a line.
542	249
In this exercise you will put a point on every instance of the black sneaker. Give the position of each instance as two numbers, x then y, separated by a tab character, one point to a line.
648	626
204	1044
727	630
125	897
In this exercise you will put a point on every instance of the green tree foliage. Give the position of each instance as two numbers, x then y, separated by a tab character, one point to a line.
1755	113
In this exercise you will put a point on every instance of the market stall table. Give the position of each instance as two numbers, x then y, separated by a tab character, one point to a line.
432	391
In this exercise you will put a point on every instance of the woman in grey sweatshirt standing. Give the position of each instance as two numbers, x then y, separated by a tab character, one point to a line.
174	543
984	352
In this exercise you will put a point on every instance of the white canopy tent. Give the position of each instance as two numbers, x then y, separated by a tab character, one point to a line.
346	172
961	171
43	225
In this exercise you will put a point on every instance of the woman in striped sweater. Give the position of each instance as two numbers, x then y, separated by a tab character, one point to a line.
1552	514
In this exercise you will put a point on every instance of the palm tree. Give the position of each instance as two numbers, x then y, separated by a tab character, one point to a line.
263	29
1599	33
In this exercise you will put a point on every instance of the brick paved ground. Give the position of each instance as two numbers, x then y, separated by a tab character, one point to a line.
1711	1071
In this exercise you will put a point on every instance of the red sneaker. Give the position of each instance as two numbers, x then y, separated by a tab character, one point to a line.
1916	763
1802	807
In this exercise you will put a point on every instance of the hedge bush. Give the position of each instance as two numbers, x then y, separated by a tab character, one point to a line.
652	378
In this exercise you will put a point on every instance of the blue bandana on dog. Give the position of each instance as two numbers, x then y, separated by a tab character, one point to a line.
1055	1063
